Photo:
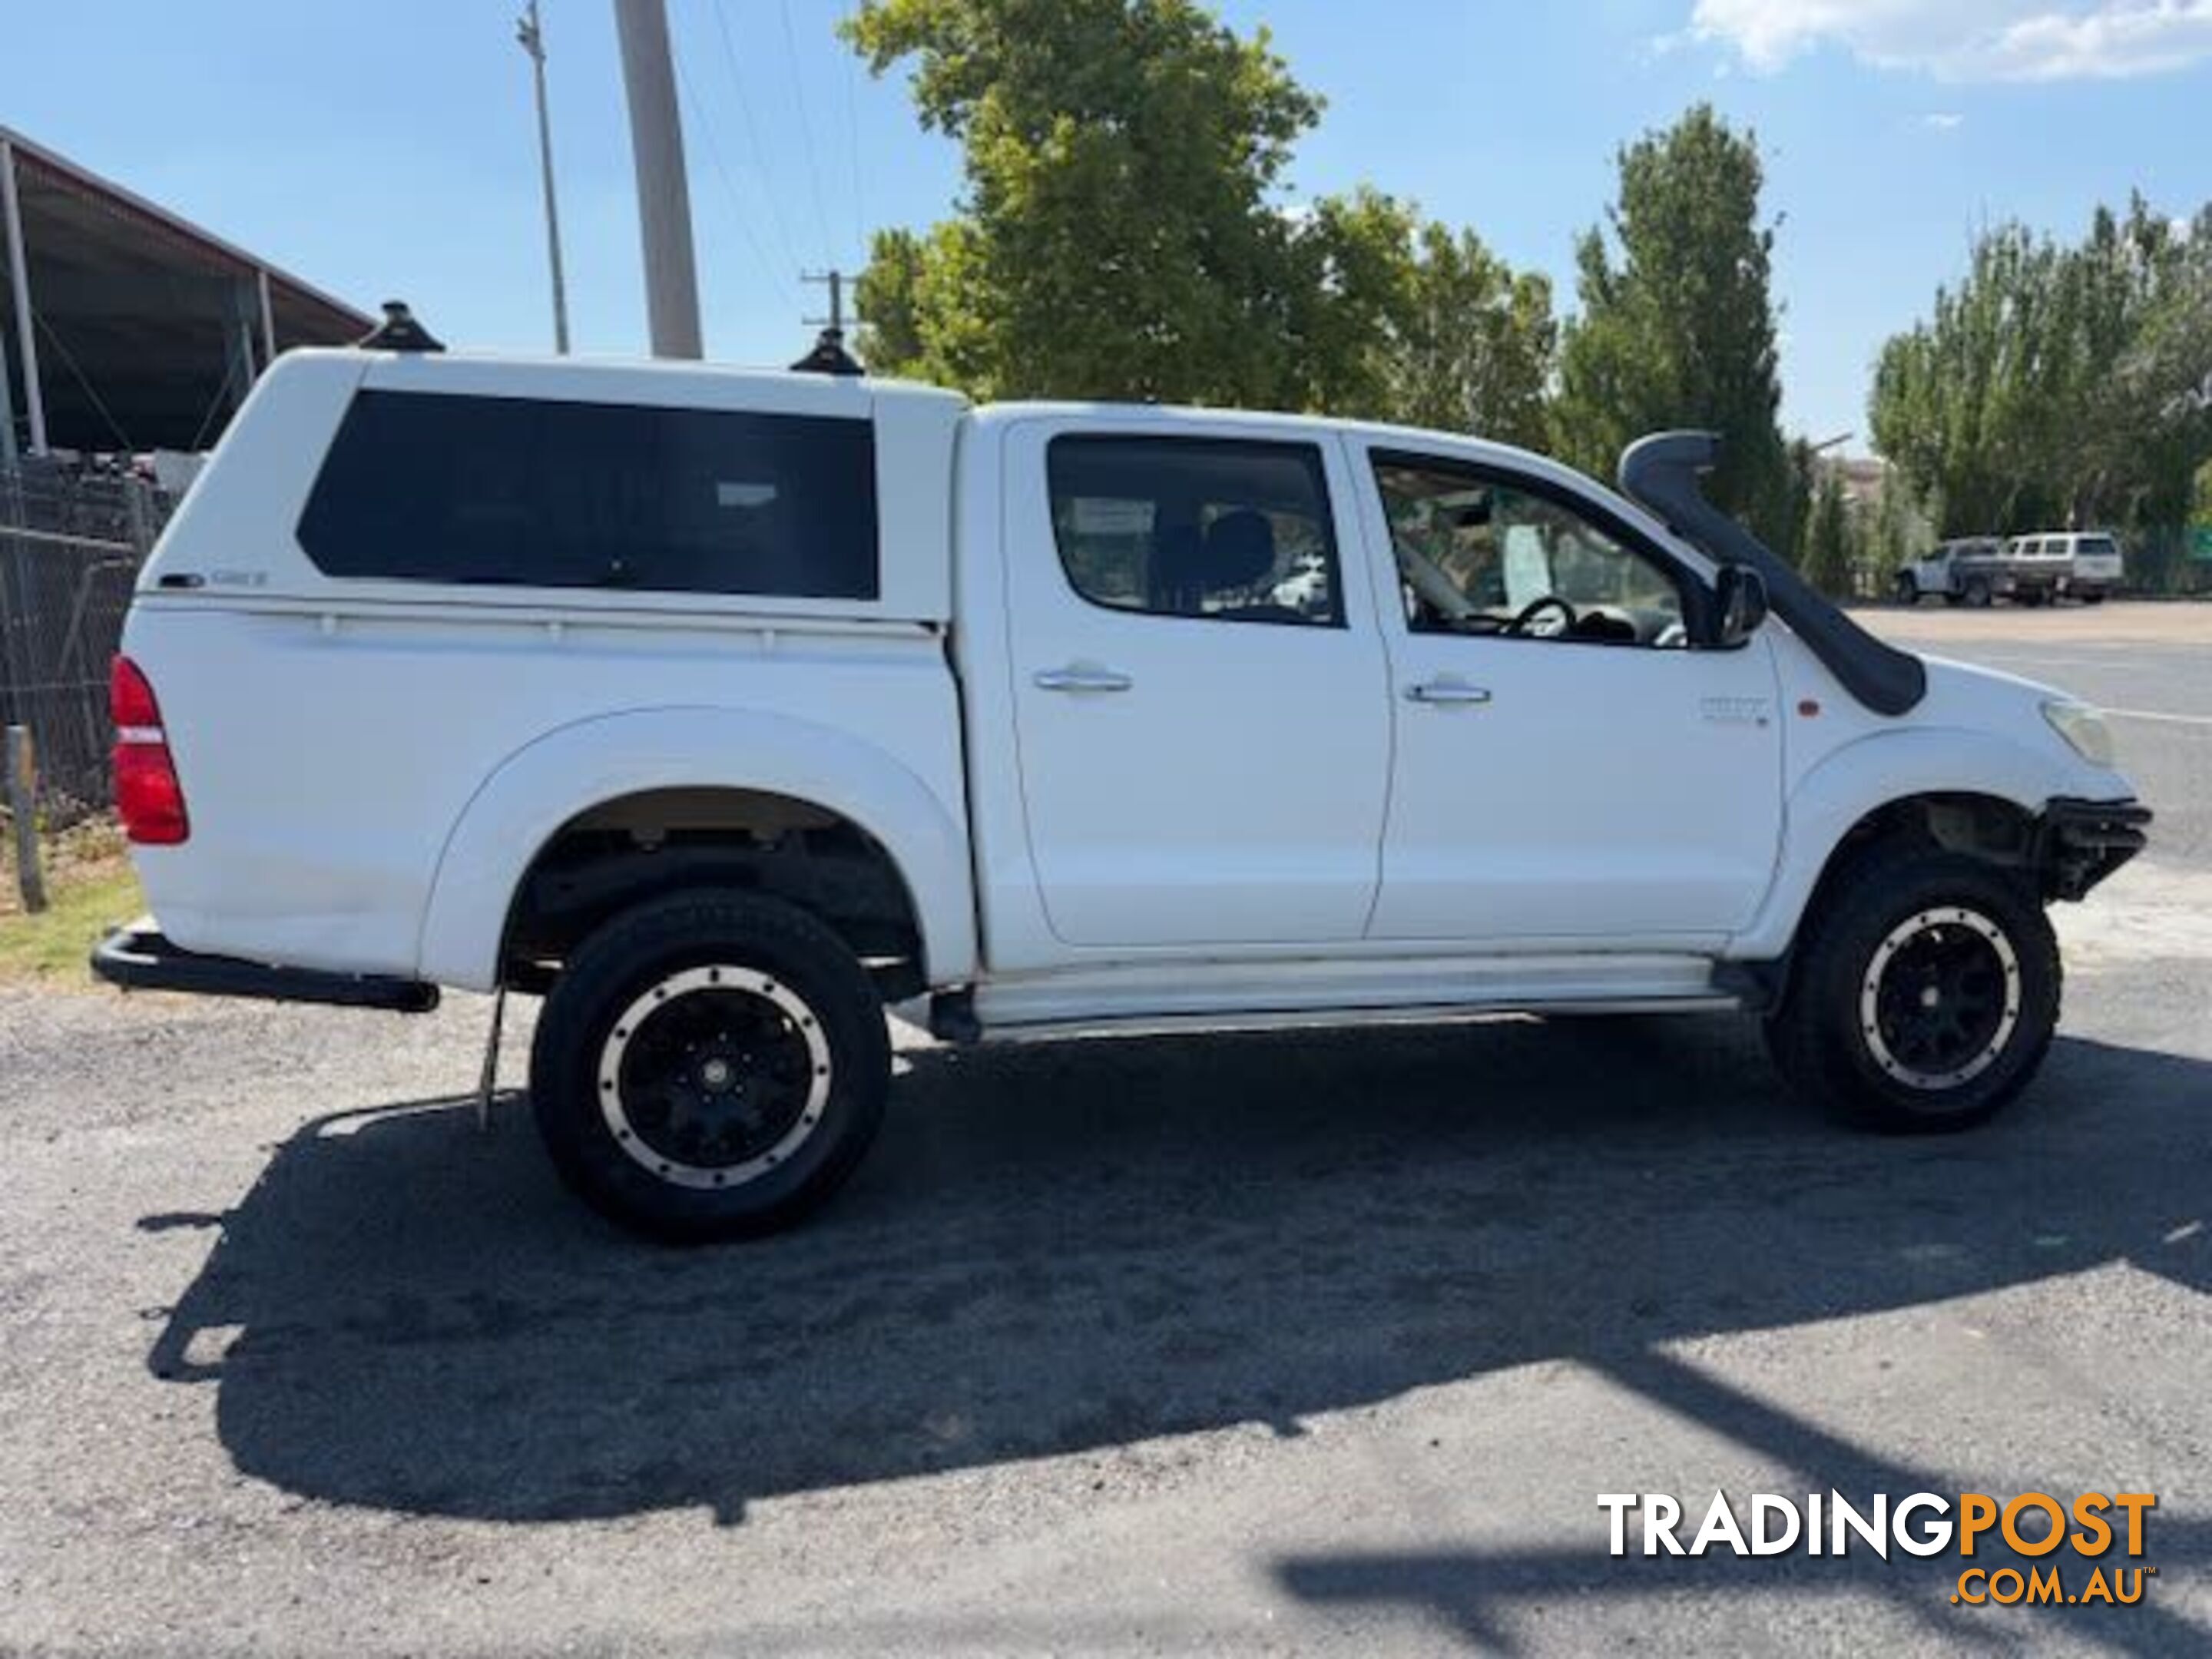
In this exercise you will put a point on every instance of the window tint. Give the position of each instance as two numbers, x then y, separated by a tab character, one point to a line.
1482	555
423	487
1196	527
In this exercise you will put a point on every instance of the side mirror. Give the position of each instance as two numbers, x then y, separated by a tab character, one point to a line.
1740	602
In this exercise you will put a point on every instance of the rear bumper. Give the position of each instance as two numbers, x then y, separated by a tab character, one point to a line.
139	958
2080	843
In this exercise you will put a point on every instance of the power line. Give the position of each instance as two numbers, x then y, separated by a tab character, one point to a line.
759	151
853	138
806	132
768	268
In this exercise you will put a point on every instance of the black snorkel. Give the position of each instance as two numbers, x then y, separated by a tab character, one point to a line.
1661	473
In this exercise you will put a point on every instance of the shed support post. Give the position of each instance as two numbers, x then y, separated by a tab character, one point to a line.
239	339
19	270
268	318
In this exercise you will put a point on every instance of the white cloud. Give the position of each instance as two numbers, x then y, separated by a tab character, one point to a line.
1970	39
1943	120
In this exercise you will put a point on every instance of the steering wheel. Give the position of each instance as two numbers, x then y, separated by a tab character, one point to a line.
1535	608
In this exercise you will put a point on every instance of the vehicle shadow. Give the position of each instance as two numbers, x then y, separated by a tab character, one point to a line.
1072	1247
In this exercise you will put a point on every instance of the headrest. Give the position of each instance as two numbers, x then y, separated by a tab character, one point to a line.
1240	549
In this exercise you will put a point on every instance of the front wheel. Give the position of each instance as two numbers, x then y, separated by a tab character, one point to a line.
1925	993
709	1065
1908	588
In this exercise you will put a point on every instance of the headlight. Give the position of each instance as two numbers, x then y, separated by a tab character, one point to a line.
2084	730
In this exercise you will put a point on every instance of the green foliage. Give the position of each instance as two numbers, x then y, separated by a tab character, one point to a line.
2059	385
1677	330
1472	343
1120	234
1897	532
1829	545
1116	238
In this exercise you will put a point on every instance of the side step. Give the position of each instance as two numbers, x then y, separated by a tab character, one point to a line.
139	958
953	1017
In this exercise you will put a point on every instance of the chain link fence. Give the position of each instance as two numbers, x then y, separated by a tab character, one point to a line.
70	545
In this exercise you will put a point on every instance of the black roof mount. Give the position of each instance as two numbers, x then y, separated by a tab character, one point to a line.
1661	472
399	332
829	356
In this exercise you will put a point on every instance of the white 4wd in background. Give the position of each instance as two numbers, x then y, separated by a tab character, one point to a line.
2093	560
1970	570
721	708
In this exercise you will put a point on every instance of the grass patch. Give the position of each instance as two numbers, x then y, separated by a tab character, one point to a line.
89	887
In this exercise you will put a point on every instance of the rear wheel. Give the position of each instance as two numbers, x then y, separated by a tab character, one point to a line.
1977	592
1925	993
1908	588
709	1065
2094	596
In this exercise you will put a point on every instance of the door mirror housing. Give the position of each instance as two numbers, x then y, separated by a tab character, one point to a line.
1738	604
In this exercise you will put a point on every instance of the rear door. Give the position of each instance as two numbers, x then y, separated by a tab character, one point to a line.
1200	698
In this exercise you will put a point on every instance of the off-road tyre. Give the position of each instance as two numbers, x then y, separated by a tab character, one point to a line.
709	1065
1924	992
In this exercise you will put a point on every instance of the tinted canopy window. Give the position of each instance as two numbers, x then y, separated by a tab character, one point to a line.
423	487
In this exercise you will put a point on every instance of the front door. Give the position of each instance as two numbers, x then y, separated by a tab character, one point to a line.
1202	699
1571	765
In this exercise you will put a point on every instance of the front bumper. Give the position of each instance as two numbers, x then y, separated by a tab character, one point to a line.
2080	843
139	958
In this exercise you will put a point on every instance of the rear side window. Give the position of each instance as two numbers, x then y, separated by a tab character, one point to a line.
433	488
1227	530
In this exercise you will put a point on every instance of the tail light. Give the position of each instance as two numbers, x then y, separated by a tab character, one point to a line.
149	797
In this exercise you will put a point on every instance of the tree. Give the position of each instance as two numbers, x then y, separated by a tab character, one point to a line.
1473	342
1116	238
1678	330
2059	384
1827	558
1122	234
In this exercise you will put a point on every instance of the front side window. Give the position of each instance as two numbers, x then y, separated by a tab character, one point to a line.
1222	529
443	488
1485	554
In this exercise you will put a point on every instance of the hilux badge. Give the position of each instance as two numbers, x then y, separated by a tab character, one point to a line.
1733	711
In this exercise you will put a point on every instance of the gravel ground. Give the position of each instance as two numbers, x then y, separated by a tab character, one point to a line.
1306	1341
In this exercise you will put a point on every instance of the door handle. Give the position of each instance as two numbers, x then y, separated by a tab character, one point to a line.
1447	691
1082	676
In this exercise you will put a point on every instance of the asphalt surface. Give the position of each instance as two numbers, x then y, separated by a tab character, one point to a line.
1313	1342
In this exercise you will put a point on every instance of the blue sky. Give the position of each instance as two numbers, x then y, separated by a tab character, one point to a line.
392	153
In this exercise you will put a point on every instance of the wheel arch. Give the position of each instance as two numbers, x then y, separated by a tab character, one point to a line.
1971	791
550	785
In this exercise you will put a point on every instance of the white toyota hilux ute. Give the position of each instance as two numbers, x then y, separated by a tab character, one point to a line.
723	708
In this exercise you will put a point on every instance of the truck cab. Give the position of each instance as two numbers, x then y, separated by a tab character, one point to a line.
723	709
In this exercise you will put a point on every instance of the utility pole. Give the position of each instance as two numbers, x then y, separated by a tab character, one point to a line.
664	202
526	31
828	355
834	322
